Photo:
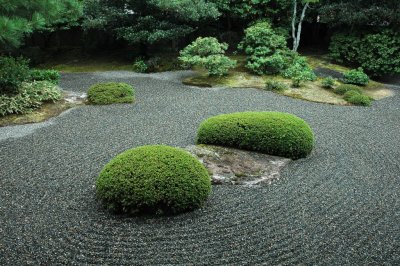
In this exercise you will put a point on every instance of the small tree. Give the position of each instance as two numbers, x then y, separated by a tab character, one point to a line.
296	33
209	53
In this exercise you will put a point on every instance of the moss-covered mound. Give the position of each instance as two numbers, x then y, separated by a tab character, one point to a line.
112	92
273	133
153	179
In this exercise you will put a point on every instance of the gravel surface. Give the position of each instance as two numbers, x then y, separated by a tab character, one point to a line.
340	206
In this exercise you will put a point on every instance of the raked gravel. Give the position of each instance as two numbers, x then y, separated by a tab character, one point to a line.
340	206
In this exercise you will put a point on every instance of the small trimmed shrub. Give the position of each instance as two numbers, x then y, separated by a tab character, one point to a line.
210	54
140	66
112	92
273	85
299	71
153	179
328	83
13	71
356	98
30	96
273	133
342	89
356	77
52	76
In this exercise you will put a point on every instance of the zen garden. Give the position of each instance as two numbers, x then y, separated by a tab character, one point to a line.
199	132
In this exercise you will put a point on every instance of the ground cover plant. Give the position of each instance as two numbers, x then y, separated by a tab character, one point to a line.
52	76
111	92
153	179
273	133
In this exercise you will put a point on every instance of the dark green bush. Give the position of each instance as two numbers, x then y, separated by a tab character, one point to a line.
13	71
140	66
112	92
210	54
356	98
342	89
153	179
328	83
29	96
377	53
356	77
52	76
265	49
273	133
273	85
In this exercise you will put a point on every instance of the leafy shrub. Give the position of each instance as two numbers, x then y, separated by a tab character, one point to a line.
377	53
265	49
356	98
273	85
356	77
140	66
153	179
209	53
112	92
30	96
52	76
328	83
299	71
13	71
274	133
342	89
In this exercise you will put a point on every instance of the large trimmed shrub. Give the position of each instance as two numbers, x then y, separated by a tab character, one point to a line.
357	98
377	53
29	96
342	89
112	92
153	179
210	54
13	71
273	133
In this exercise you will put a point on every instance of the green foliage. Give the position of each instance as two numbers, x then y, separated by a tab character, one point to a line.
52	76
299	71
209	53
140	66
13	71
377	53
265	49
273	133
153	179
148	21
342	89
112	92
328	83
356	77
357	98
21	17
273	85
30	96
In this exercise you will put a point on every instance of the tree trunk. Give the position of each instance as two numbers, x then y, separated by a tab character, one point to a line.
297	36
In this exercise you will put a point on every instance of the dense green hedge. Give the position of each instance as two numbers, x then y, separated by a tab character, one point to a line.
13	71
112	92
155	179
49	75
274	133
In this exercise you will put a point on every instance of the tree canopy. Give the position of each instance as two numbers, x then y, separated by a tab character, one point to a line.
21	17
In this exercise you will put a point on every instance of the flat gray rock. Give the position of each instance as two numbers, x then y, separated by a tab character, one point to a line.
238	167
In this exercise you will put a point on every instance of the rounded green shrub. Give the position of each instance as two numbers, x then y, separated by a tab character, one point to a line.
356	98
112	92
13	71
342	89
328	83
356	77
153	179
273	133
